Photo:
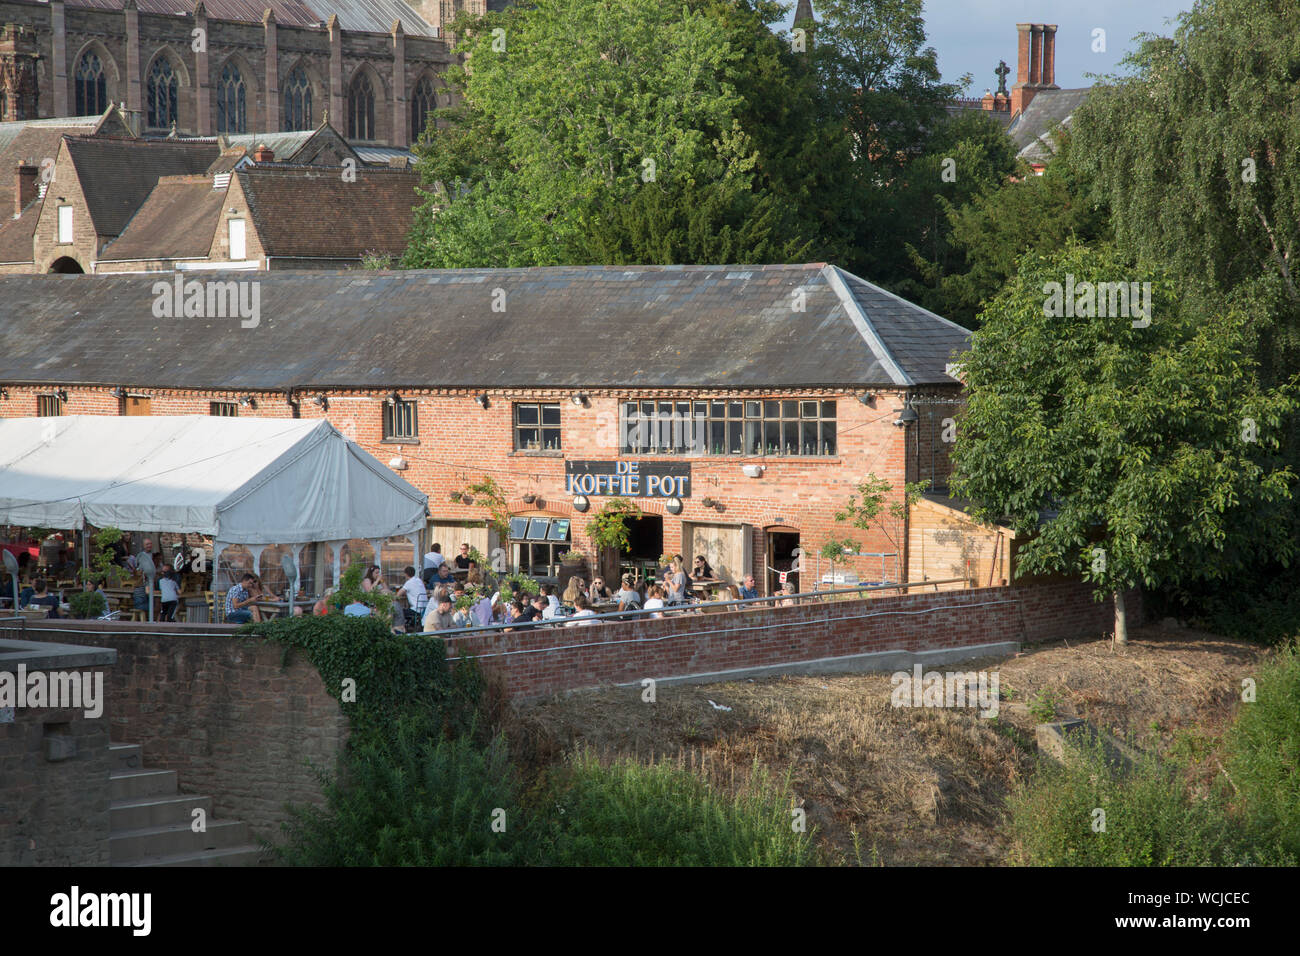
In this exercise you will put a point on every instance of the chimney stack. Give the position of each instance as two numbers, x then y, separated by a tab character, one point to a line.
263	154
27	187
1036	63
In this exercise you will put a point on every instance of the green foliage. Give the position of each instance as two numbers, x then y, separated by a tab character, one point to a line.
393	675
865	508
628	814
608	527
102	570
1085	432
350	592
1043	707
1151	817
413	799
488	494
524	584
1263	747
88	604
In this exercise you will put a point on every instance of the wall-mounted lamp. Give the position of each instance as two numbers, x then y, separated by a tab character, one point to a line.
4	393
581	504
63	394
399	463
321	401
392	398
752	471
867	398
906	416
481	400
708	502
118	392
674	506
247	401
580	398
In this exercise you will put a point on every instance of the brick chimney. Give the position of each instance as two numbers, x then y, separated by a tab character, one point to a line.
263	154
1036	63
27	187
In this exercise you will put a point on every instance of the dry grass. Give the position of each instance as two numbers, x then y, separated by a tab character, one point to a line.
917	786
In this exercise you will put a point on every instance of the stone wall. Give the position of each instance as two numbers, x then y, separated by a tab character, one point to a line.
54	767
226	714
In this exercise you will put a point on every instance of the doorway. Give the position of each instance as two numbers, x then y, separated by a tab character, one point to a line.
782	545
66	265
645	542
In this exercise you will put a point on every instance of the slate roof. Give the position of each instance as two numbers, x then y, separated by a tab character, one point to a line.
177	221
1031	130
16	234
625	327
372	16
117	175
31	141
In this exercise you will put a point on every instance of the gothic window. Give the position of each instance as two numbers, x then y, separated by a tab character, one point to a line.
230	101
361	109
423	100
297	101
91	95
161	95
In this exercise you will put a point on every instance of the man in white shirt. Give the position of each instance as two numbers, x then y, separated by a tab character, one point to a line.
417	597
581	608
552	602
434	558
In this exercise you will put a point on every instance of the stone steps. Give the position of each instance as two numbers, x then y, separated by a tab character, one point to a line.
151	824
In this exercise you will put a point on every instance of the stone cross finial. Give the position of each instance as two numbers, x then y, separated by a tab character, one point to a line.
1002	72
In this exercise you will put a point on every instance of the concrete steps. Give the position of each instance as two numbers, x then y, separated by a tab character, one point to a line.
151	823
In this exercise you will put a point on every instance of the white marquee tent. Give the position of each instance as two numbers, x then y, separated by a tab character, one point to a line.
248	481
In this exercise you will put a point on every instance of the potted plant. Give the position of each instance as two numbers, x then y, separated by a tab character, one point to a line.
572	564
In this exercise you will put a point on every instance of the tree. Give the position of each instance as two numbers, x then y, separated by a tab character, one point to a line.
655	133
1129	453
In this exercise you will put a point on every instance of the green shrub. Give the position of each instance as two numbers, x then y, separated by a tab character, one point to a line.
627	814
1263	754
1151	817
412	798
86	604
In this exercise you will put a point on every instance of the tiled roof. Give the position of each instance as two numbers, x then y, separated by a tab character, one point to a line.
370	16
311	212
16	234
31	142
1046	111
116	175
177	221
626	327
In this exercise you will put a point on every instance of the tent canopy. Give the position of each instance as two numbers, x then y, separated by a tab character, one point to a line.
240	480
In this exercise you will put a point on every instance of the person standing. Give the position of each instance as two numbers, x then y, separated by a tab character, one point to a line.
169	591
677	582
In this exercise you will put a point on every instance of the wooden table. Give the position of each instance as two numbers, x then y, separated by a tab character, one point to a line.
705	585
281	608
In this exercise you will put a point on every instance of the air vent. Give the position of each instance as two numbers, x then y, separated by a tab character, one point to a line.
221	181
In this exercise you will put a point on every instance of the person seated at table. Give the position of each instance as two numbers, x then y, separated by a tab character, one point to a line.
357	609
434	557
322	607
537	607
42	598
417	598
628	597
169	591
439	617
474	576
748	588
463	617
374	580
655	599
25	594
240	608
574	590
598	592
483	611
552	602
702	571
505	593
462	560
581	609
787	595
442	577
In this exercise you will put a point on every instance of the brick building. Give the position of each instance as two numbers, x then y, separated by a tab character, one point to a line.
226	66
737	406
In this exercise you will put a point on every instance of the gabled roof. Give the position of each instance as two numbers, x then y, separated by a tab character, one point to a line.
1031	130
301	146
16	234
31	141
625	327
310	212
368	16
177	221
117	175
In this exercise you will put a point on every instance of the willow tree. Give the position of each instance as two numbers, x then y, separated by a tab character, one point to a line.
1138	448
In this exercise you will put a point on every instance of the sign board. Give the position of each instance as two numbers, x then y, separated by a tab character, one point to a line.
781	576
628	479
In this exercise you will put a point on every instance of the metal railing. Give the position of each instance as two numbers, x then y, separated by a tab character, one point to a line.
677	610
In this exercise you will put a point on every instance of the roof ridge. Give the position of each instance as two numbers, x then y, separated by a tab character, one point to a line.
866	328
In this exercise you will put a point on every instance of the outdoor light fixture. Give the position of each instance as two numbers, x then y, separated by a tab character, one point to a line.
581	504
708	502
906	416
752	471
321	401
118	392
580	398
674	506
392	398
866	398
247	401
4	393
63	394
481	400
399	463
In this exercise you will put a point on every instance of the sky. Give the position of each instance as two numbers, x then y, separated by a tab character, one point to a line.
971	36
